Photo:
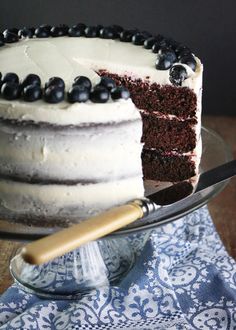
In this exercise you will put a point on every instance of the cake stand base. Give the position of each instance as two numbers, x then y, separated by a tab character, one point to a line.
99	263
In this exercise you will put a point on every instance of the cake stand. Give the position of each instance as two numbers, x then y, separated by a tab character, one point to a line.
107	260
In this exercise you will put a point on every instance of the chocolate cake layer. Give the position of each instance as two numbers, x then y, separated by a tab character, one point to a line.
174	168
176	192
167	134
167	99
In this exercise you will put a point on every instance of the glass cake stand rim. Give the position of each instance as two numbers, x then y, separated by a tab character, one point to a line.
20	232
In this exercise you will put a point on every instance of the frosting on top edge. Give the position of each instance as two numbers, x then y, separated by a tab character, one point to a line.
69	57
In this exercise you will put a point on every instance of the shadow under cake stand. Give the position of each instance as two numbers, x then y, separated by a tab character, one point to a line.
107	260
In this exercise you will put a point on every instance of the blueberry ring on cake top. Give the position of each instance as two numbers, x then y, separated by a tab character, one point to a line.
168	49
169	52
75	103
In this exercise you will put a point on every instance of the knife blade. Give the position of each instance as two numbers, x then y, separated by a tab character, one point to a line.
55	245
176	200
183	189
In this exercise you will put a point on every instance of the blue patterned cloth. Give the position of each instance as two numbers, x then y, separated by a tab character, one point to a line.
182	279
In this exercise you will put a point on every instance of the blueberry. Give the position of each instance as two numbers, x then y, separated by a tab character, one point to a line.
108	33
10	91
184	53
25	33
126	35
32	93
138	39
163	63
117	28
54	94
78	94
31	79
46	27
157	46
32	29
148	43
107	82
120	92
166	58
82	81
178	74
55	81
190	61
56	32
59	31
10	37
168	53
82	26
12	30
64	28
159	43
171	43
98	28
77	30
10	77
99	94
91	32
42	32
74	32
182	50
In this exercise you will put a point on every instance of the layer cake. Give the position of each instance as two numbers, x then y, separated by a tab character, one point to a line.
58	160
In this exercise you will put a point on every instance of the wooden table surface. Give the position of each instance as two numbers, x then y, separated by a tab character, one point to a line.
222	207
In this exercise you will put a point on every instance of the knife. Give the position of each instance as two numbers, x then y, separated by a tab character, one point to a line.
55	245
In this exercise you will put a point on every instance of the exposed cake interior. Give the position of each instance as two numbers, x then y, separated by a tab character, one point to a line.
171	127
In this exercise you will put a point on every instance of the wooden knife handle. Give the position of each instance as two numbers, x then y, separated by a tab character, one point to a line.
50	247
